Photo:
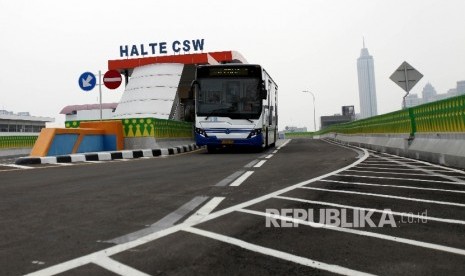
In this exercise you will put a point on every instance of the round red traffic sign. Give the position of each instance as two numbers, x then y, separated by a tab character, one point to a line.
112	79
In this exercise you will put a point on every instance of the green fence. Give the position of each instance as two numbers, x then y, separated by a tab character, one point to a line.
447	115
151	127
9	142
298	134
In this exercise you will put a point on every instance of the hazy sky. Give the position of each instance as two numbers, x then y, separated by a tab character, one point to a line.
304	45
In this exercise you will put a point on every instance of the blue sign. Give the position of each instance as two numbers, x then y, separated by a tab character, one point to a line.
87	81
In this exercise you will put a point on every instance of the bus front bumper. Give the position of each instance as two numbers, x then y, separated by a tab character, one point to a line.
213	141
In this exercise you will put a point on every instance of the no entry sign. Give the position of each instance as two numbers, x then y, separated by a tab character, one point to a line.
112	79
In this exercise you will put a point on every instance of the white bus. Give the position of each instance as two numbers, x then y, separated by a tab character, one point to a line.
235	106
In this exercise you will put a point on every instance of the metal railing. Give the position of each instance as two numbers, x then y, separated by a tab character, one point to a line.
446	115
10	142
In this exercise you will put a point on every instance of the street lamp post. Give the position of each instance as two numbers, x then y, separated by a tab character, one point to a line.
314	113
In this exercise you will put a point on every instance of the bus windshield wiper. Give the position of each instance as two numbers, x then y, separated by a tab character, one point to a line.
215	111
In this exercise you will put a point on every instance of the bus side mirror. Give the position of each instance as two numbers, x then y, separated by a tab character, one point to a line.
263	92
192	89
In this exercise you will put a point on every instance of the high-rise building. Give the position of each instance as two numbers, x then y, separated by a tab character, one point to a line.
460	87
366	84
429	93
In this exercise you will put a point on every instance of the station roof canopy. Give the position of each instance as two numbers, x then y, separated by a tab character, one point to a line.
74	108
203	58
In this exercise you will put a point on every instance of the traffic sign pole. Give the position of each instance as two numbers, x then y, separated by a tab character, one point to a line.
100	92
112	80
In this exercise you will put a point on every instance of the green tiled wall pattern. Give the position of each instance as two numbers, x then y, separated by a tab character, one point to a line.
150	127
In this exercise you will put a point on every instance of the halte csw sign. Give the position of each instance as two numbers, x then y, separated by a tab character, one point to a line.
87	81
112	79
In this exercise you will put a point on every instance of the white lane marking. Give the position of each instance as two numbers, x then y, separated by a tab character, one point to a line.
83	260
117	267
426	171
269	156
409	215
205	210
16	166
356	149
259	164
64	164
402	173
274	152
284	144
361	166
386	196
251	164
275	253
363	233
394	186
404	179
241	179
229	179
166	222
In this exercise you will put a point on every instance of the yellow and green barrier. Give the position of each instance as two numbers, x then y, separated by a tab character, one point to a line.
10	142
150	127
299	134
447	115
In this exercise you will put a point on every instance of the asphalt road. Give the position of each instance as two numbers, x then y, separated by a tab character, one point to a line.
207	214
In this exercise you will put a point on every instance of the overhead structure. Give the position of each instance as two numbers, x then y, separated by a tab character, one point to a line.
158	87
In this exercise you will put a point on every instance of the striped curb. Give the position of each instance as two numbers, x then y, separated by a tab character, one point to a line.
105	156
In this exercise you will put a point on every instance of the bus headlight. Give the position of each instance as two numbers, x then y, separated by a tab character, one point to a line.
201	132
254	132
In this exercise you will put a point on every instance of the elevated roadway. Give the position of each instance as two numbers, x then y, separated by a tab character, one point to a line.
199	213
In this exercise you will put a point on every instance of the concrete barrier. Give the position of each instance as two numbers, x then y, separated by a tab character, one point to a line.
441	148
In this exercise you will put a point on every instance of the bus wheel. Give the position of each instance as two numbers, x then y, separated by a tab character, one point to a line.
211	149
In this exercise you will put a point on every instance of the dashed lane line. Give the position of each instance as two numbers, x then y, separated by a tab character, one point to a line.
251	164
259	164
241	178
387	196
229	179
166	222
205	210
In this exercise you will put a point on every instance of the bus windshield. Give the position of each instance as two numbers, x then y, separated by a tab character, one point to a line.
236	98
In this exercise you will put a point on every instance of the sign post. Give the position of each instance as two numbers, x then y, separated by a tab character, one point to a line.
112	80
406	77
87	81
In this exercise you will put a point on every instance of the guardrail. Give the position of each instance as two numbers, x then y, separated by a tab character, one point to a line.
298	134
446	115
150	127
12	141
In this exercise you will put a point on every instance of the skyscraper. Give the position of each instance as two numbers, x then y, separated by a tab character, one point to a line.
366	84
